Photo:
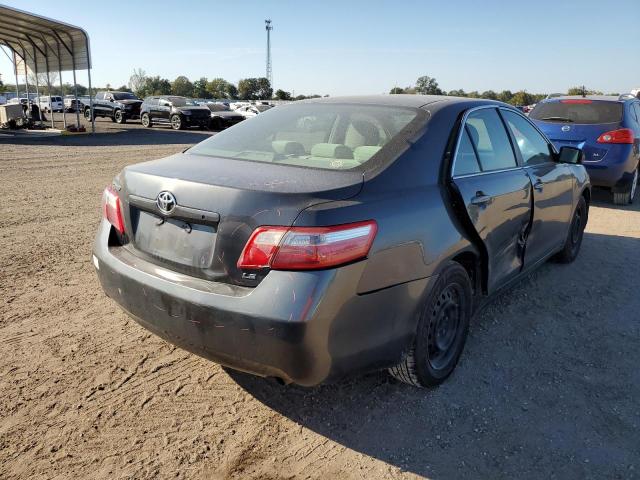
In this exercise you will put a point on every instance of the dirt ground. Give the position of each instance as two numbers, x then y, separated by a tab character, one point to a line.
548	386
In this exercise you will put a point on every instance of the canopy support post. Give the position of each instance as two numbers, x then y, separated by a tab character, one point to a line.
64	113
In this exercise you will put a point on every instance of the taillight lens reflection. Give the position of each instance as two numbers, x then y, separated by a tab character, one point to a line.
112	208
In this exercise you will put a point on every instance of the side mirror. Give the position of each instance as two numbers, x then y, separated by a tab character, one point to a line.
570	155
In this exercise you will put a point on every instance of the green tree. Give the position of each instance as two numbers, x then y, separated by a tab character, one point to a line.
200	88
505	96
457	93
522	98
155	86
182	86
218	88
396	91
232	91
254	89
582	91
489	94
124	88
282	95
426	85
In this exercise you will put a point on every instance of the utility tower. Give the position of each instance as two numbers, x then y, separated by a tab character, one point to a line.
268	27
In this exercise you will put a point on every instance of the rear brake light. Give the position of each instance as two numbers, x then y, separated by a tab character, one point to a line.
623	135
578	101
113	208
307	248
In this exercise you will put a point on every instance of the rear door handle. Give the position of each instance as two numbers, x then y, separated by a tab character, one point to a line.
480	199
538	186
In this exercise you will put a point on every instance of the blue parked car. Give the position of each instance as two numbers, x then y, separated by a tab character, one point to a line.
606	128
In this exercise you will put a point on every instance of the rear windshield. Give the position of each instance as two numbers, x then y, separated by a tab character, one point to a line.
330	136
578	111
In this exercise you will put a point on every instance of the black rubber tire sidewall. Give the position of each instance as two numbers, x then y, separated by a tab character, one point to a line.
453	273
570	250
87	114
148	125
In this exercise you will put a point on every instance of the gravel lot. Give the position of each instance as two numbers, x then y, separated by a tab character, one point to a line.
548	387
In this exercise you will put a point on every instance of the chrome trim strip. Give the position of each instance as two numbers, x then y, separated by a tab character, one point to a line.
488	172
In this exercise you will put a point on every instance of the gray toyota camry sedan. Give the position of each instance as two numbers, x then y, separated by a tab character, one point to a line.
342	235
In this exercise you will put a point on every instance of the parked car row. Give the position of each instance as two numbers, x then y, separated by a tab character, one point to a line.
172	110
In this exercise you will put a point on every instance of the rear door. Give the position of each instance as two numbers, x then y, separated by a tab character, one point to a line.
552	188
496	192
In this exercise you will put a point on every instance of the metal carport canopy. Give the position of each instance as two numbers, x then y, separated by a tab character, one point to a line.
59	46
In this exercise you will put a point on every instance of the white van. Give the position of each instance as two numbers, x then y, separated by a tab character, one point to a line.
50	104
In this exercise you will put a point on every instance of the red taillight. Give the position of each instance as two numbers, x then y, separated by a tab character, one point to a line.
577	101
623	135
307	248
112	208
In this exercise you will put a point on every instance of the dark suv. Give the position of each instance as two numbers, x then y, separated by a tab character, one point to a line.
179	112
118	106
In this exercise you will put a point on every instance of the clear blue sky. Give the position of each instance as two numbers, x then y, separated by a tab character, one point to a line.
361	47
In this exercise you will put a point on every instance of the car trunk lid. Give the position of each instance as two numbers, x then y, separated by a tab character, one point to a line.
219	202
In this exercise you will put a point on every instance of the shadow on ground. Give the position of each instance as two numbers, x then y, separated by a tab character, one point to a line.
544	388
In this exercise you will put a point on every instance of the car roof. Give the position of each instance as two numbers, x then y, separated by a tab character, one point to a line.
405	100
598	98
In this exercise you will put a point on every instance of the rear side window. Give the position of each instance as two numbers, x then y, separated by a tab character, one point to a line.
490	139
315	135
100	96
582	111
466	161
533	147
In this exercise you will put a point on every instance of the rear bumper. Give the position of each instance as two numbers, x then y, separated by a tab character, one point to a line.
614	171
303	327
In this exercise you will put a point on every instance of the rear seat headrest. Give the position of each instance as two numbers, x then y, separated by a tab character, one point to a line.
364	153
331	150
287	147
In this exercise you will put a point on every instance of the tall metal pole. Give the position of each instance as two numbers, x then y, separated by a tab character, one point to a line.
93	117
35	64
46	62
64	114
269	75
15	70
26	80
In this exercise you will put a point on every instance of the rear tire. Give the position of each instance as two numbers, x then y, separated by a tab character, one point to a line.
146	120
576	231
441	333
628	196
176	122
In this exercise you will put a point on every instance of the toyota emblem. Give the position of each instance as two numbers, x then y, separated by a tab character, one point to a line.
166	202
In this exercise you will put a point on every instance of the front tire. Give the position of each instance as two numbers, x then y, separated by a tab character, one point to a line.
87	114
441	333
176	122
576	231
118	117
145	120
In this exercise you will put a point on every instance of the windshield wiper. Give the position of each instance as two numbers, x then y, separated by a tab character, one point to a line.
558	119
